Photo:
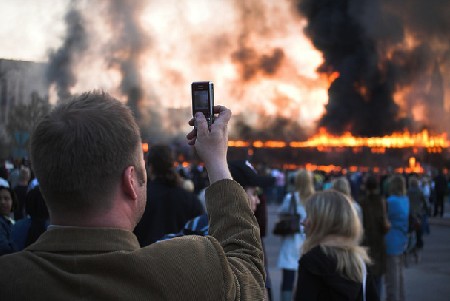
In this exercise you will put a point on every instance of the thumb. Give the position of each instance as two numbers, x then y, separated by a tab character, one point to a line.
202	124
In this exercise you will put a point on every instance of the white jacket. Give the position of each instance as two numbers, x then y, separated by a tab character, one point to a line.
291	245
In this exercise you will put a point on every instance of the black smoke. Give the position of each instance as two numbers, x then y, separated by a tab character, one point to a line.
269	128
252	63
127	47
60	69
360	99
379	47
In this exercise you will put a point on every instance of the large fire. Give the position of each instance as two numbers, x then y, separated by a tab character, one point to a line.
262	60
287	66
324	141
411	145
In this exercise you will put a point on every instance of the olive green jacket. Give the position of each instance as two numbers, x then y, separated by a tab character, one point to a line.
71	263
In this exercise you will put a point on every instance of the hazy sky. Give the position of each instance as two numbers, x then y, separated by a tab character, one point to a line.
29	27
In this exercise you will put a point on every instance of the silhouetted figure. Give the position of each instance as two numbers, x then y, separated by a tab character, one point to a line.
169	205
376	225
440	188
27	230
21	190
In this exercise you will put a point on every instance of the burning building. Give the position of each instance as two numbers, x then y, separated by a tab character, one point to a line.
401	151
365	68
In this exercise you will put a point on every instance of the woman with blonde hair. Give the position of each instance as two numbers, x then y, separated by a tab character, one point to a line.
333	265
291	244
341	184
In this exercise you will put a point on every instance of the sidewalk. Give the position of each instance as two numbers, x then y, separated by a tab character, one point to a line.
445	220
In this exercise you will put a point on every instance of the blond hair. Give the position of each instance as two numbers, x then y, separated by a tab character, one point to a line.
341	184
397	185
335	227
304	184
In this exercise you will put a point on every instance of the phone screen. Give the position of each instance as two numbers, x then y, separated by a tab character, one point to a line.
201	100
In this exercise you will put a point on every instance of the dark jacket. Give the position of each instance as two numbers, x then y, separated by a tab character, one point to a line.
417	203
440	185
21	193
6	243
318	280
375	225
167	211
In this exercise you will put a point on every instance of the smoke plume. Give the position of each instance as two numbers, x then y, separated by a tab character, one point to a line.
392	60
252	63
274	128
127	47
360	99
62	61
379	48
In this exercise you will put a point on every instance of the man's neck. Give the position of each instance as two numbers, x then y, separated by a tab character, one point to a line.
107	220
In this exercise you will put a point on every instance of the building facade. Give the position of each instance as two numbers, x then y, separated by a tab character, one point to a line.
18	81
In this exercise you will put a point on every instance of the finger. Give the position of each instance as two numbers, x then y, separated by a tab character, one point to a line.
224	115
191	122
218	109
192	134
202	124
192	141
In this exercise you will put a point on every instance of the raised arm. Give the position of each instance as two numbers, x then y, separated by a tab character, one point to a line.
231	221
212	144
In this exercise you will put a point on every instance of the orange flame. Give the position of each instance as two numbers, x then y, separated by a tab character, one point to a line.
332	77
324	141
412	168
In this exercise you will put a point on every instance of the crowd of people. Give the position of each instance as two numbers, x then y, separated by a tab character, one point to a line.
393	211
97	220
24	214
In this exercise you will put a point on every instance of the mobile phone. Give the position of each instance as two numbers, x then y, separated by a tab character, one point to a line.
203	99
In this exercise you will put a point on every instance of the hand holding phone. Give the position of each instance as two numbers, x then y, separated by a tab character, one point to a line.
211	143
203	100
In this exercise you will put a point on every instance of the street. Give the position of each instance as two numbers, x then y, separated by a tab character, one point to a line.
427	280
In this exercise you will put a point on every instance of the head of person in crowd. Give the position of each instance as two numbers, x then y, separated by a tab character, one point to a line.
24	175
161	165
3	172
304	183
413	182
36	207
87	156
38	212
4	176
8	201
342	185
333	224
397	185
371	185
245	174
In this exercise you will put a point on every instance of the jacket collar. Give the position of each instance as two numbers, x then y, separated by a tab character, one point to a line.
77	239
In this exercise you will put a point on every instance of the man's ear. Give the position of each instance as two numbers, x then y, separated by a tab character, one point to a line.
129	182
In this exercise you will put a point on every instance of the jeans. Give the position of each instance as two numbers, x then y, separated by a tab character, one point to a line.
425	224
395	290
